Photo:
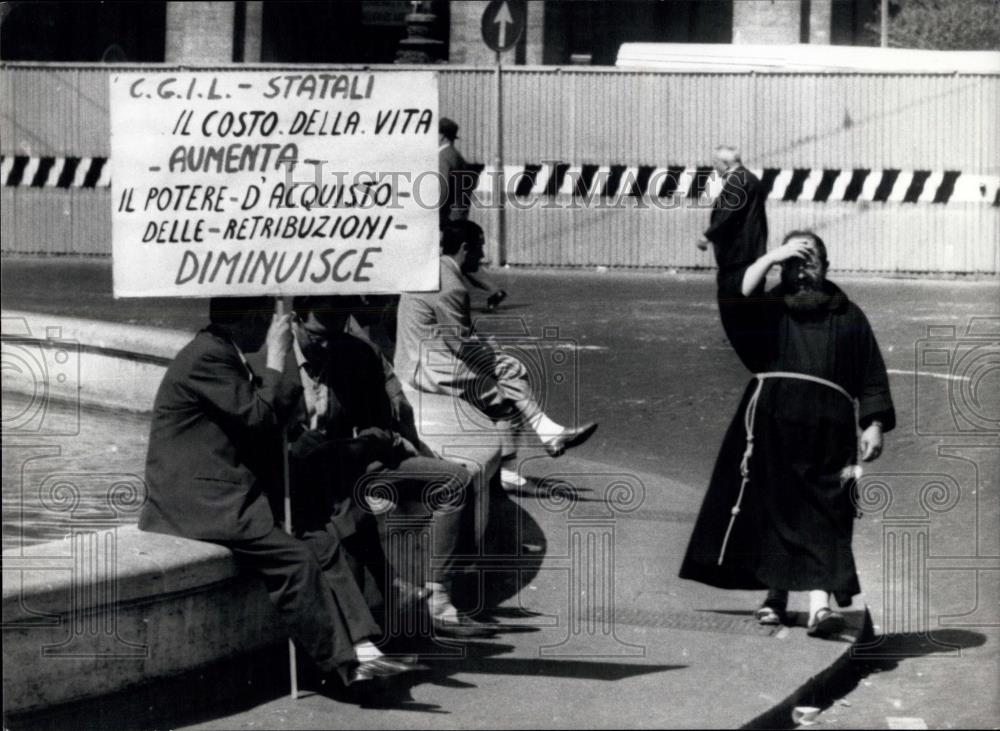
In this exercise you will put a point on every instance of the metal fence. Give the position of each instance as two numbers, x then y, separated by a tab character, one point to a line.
899	173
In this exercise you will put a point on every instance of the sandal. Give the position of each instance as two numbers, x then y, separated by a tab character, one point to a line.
825	623
769	616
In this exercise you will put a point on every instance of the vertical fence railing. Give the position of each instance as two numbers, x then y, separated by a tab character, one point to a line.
876	128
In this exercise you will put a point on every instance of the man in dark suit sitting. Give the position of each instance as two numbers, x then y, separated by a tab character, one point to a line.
346	450
215	423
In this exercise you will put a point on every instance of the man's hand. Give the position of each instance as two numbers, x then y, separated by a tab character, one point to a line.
406	446
756	272
703	243
379	444
375	435
279	340
871	442
794	248
308	443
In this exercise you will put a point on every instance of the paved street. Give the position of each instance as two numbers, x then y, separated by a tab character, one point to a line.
652	365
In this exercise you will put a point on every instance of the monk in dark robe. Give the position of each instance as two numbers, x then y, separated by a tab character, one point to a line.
779	512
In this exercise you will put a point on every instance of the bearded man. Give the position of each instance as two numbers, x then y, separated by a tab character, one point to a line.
779	512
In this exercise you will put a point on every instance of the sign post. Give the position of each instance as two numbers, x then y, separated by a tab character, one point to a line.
501	189
280	309
502	25
268	183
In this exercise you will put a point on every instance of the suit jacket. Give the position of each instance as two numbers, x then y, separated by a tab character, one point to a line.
738	223
206	468
435	349
324	466
456	175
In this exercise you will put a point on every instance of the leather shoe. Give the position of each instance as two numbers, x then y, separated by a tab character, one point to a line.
570	438
380	667
769	616
405	595
461	627
494	300
825	623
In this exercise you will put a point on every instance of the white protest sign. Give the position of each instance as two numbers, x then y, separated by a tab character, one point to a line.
269	182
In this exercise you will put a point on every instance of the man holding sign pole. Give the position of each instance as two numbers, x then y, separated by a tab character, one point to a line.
219	190
213	419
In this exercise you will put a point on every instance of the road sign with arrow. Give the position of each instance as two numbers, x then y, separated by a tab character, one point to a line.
503	23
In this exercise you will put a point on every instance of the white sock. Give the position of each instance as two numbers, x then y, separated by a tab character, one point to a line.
439	602
365	651
543	426
511	477
818	599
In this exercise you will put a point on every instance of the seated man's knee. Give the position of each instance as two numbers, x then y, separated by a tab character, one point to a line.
302	556
287	564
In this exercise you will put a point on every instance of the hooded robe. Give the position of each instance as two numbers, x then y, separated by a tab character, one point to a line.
795	524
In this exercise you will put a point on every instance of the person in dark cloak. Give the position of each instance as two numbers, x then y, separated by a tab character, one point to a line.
778	513
737	230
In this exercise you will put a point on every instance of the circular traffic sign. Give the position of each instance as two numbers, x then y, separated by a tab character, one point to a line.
503	23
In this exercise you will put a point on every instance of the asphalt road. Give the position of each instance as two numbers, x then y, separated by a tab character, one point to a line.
647	356
644	354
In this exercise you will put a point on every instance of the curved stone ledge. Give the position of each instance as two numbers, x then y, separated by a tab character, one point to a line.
85	362
127	339
102	611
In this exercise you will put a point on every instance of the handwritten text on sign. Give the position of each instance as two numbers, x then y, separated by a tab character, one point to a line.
240	183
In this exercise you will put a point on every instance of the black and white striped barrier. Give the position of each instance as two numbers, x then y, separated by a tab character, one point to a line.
820	185
797	184
54	172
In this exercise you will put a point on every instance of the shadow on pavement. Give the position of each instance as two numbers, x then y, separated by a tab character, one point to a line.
882	654
517	547
217	690
240	684
484	658
554	490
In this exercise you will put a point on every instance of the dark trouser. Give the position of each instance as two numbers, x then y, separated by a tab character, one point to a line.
320	606
356	561
441	489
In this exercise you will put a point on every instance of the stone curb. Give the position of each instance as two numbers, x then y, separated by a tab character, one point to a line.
780	716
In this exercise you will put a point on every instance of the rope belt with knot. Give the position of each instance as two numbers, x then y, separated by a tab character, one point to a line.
748	422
